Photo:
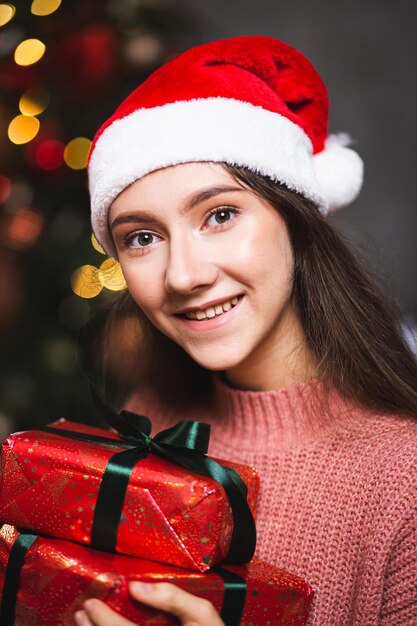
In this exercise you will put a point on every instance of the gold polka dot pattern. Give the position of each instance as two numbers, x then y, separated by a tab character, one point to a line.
49	484
58	576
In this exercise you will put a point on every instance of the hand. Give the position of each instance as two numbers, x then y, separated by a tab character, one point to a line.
190	610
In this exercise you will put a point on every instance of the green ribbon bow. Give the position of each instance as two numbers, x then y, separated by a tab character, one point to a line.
185	444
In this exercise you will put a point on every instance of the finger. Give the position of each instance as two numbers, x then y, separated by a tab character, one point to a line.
99	614
191	610
81	619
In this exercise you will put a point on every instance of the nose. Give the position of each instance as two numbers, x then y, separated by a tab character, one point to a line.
189	268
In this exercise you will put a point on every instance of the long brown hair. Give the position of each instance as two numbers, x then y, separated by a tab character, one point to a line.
353	333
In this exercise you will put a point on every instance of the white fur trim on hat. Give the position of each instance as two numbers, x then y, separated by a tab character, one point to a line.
211	129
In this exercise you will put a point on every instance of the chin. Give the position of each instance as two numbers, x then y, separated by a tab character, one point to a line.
216	362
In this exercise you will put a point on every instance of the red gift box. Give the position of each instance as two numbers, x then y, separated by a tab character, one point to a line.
57	576
50	484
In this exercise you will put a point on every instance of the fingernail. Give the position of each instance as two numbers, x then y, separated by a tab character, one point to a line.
79	616
140	587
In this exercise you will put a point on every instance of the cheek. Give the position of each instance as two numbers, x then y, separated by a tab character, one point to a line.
266	257
146	285
246	253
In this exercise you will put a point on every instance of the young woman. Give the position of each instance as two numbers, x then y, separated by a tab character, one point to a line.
210	184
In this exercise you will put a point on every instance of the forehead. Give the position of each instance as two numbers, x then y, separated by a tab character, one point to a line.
174	184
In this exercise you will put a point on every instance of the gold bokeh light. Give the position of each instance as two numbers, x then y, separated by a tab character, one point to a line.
96	244
76	153
44	7
85	281
111	276
23	128
29	51
7	12
34	101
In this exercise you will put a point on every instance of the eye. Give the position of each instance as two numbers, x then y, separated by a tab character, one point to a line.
141	239
221	216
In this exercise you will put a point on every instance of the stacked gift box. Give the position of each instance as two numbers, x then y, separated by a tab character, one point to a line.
85	511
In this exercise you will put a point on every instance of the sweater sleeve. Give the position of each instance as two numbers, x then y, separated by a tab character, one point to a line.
399	602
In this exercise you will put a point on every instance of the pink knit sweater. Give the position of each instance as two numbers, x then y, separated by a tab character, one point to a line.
338	496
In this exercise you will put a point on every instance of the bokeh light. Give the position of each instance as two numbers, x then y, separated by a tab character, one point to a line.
24	228
59	355
34	101
96	244
85	281
5	188
111	276
9	40
7	12
29	52
23	128
22	194
49	154
44	7
76	153
143	50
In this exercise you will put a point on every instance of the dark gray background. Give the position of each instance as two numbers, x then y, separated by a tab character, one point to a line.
366	53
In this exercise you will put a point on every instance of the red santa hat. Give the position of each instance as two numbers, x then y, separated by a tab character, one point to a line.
247	101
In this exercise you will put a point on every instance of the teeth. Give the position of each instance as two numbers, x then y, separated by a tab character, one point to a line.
212	311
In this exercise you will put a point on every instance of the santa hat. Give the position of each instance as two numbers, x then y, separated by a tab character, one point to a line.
246	101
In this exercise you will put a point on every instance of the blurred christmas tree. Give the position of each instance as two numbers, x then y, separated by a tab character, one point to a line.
64	68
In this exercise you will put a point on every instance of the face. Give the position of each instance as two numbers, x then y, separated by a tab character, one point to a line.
208	261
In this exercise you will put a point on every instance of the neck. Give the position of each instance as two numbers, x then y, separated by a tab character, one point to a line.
279	362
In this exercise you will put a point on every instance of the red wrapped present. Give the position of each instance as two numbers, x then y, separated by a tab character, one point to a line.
55	484
43	581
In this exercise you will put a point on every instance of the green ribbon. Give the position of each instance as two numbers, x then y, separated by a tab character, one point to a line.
185	444
231	611
234	596
12	577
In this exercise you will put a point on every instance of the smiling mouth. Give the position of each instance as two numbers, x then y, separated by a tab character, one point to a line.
211	311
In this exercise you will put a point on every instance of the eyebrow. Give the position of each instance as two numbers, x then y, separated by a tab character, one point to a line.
191	202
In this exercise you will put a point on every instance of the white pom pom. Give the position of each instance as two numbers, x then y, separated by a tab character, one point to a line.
339	172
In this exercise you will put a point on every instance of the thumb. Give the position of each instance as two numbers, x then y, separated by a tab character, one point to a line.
189	609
